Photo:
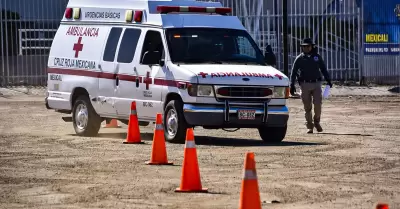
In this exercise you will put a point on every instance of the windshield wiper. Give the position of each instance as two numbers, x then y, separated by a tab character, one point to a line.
238	60
200	61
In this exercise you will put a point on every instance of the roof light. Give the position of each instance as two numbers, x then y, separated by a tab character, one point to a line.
129	15
218	10
167	9
68	13
77	13
138	16
223	10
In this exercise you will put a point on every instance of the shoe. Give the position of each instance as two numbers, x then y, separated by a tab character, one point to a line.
309	131
318	127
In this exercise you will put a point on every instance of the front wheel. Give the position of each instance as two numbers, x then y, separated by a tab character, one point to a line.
174	122
272	134
85	120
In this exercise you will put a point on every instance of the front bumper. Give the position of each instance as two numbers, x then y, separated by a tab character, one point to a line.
226	116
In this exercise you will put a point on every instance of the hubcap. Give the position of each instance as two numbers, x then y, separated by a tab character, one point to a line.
172	122
81	116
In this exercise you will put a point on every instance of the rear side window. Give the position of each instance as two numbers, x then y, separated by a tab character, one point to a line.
128	45
111	46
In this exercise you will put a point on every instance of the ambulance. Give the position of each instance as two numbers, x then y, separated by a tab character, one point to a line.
191	61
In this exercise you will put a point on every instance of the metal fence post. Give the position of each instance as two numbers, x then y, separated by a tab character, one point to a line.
285	38
360	46
1	45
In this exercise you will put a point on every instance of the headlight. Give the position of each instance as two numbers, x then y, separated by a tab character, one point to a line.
201	90
281	92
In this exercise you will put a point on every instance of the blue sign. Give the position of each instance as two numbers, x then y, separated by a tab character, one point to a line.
381	27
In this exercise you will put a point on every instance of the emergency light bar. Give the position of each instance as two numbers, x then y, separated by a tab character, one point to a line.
73	13
218	10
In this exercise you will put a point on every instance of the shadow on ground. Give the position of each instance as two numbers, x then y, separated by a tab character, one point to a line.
216	141
339	134
122	136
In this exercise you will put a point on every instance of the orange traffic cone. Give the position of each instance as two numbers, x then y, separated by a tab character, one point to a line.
113	124
133	136
190	181
250	195
382	206
159	151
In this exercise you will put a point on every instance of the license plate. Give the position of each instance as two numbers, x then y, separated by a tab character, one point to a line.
246	114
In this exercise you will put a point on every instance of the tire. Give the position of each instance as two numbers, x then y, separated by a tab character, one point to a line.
92	125
272	134
175	107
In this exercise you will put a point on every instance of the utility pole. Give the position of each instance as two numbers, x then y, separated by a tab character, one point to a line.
285	38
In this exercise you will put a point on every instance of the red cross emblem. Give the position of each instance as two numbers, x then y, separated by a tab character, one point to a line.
279	76
147	80
78	47
203	74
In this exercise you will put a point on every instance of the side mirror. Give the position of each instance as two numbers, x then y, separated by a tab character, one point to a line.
151	58
162	62
269	56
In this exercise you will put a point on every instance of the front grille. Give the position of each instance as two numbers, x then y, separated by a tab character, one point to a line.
244	100
243	92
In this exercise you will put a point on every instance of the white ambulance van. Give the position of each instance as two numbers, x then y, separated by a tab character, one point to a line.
189	60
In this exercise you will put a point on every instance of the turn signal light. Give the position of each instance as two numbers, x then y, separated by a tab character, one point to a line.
129	15
138	16
68	13
287	92
77	13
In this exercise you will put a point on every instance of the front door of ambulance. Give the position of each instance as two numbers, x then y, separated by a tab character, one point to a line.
109	70
150	90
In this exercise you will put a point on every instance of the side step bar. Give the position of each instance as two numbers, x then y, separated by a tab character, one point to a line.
67	119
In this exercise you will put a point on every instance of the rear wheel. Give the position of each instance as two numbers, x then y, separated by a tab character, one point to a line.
174	122
85	120
272	134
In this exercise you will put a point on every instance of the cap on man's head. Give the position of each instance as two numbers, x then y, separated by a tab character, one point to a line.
307	42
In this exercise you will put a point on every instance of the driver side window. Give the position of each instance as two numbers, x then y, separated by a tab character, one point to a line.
152	43
245	47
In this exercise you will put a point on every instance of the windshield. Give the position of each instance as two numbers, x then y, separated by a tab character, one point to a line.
211	45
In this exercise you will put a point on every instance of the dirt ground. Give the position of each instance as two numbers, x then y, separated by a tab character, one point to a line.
355	163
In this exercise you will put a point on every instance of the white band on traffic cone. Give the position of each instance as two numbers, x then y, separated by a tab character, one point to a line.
250	175
159	127
190	144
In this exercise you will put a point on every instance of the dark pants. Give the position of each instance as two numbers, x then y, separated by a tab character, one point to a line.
311	93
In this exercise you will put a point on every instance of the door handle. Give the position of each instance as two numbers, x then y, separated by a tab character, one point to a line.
137	82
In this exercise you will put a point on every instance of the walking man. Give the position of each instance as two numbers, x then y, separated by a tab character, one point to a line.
307	69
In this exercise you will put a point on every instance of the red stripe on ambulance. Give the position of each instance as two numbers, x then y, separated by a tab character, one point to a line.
121	77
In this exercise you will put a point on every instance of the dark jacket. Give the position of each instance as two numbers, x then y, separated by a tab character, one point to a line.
309	67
